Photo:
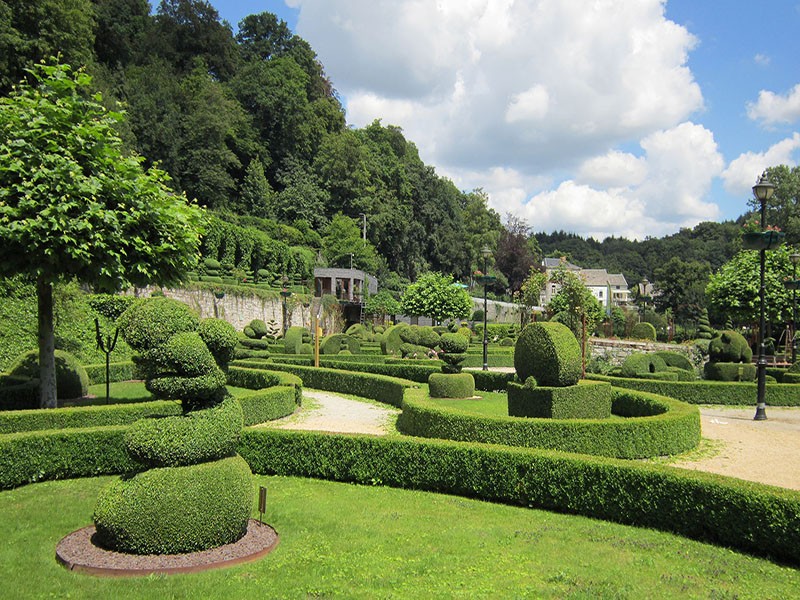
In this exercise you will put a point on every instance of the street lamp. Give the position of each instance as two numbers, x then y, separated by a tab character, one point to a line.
762	191
795	257
486	251
285	293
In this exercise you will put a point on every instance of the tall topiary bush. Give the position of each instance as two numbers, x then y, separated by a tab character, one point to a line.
451	382
194	492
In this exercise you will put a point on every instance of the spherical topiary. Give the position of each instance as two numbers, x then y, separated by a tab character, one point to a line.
220	337
150	323
259	328
293	339
410	335
642	363
549	352
453	343
466	332
249	333
643	331
729	346
676	359
506	341
71	378
451	385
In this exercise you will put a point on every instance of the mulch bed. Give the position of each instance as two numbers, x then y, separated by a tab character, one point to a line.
77	552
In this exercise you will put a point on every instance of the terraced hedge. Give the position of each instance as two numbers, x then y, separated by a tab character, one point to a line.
656	426
709	392
755	518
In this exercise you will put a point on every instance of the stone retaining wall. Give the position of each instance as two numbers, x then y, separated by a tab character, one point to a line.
616	351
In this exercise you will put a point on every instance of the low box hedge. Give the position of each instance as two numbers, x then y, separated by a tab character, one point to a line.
118	371
451	385
710	392
670	427
18	393
754	518
587	400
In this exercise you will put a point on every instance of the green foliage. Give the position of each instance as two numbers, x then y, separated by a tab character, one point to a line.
149	323
220	338
675	359
586	401
200	436
451	385
391	339
670	427
573	302
644	331
342	240
293	340
643	363
71	378
111	306
729	371
176	509
454	347
259	328
382	304
704	329
729	346
549	352
434	295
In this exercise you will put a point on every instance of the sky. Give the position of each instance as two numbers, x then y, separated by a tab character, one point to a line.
627	118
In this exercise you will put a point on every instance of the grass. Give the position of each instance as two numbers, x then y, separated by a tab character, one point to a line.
340	540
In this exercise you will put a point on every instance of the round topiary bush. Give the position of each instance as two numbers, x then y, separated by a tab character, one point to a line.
643	331
676	359
71	378
249	333
259	328
729	346
451	385
454	347
391	339
506	341
293	339
641	364
150	323
429	337
220	338
549	352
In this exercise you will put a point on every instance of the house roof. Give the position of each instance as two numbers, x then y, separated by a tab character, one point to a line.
554	263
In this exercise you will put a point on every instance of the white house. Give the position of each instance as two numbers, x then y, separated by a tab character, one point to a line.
610	289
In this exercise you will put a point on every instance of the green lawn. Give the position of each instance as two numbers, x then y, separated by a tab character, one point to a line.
340	540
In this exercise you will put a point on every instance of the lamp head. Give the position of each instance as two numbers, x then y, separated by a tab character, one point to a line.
486	252
764	189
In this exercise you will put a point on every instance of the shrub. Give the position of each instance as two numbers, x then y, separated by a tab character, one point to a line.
220	338
429	337
410	335
293	339
176	510
197	437
644	331
675	359
391	340
730	371
584	401
249	332
150	323
451	385
71	378
729	346
506	341
640	364
549	352
466	332
259	328
255	344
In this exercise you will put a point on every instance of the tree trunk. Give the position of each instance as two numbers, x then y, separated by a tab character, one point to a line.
47	359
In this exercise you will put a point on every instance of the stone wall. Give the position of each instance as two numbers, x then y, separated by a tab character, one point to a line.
616	351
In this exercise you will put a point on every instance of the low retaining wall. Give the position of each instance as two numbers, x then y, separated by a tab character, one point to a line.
616	351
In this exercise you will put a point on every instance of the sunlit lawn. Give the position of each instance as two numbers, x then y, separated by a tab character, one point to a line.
341	540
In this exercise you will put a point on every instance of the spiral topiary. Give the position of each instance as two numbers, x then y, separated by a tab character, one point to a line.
549	352
454	347
197	492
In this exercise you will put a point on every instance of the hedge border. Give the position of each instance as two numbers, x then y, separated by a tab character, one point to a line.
709	392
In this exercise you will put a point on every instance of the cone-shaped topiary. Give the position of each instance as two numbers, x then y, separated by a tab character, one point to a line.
549	352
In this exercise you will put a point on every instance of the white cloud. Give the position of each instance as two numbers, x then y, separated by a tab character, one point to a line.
772	108
762	60
613	169
743	171
530	105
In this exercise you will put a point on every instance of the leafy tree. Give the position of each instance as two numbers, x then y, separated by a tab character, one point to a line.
482	226
73	203
256	196
530	292
783	208
574	301
436	296
733	290
121	29
517	251
681	287
382	304
342	240
302	197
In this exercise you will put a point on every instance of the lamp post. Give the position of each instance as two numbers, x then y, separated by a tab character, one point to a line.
762	191
486	254
285	293
795	257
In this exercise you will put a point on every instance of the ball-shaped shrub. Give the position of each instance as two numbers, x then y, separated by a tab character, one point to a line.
643	331
429	337
639	364
259	328
549	352
729	346
410	335
466	332
150	323
220	338
506	341
71	378
391	340
249	333
293	339
451	385
676	359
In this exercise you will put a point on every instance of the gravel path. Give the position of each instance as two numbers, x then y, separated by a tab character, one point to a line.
763	451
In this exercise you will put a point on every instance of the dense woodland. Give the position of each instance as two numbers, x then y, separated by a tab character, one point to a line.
250	126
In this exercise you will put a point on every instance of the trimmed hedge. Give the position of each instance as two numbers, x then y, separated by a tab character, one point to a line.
730	371
293	340
675	359
118	371
643	331
549	352
671	428
177	509
587	400
753	518
451	385
269	404
709	392
641	364
18	393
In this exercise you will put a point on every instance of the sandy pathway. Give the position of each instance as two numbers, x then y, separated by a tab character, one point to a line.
764	451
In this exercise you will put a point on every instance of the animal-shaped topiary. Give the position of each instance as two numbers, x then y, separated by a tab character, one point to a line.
729	358
197	492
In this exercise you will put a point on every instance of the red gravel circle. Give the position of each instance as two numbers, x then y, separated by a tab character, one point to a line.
77	552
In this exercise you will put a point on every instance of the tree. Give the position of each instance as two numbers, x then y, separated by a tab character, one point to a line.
256	196
732	290
436	296
517	251
784	206
681	287
573	302
382	304
74	204
530	292
342	243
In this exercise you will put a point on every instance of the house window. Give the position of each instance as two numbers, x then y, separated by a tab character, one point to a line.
601	295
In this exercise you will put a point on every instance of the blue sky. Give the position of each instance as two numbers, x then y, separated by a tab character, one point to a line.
621	117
